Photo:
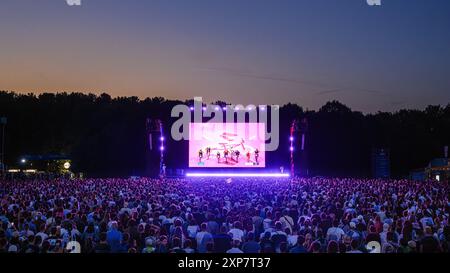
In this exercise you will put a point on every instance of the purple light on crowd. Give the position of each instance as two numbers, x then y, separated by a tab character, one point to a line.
237	175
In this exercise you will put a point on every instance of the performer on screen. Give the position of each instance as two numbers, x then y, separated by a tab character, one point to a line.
248	156
218	157
225	155
256	156
200	155
208	152
237	153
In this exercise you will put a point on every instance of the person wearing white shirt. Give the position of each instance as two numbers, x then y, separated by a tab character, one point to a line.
236	232
335	233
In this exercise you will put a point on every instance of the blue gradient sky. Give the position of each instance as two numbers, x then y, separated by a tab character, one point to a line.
242	51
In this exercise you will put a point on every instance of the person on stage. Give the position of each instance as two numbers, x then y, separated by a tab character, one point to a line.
256	155
218	157
248	156
208	152
225	155
237	153
200	155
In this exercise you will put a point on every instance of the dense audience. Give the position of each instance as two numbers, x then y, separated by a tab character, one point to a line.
315	215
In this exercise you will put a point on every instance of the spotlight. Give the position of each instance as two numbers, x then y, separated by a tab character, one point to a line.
224	108
162	148
162	139
217	108
192	108
204	108
291	149
262	108
291	138
67	165
23	161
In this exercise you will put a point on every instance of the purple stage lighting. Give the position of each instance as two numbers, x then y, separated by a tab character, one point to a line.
162	148
224	108
291	138
192	108
291	149
267	175
162	139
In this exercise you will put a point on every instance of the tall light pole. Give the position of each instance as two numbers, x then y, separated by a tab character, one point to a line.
3	122
293	131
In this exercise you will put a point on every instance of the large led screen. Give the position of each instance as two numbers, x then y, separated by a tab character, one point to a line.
235	145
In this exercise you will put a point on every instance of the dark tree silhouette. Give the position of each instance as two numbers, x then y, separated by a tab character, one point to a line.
107	136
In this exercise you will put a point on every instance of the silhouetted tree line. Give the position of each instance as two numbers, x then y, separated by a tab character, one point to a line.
107	136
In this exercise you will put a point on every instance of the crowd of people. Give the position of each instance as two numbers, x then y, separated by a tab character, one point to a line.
302	215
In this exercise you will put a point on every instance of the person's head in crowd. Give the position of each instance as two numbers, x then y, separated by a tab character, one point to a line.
250	236
204	227
354	244
315	247
278	226
210	247
300	240
342	248
176	242
188	243
284	247
333	247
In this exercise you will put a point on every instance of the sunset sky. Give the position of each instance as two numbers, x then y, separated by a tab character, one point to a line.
384	58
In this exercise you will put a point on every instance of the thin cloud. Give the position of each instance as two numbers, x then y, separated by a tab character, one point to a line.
326	92
249	74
